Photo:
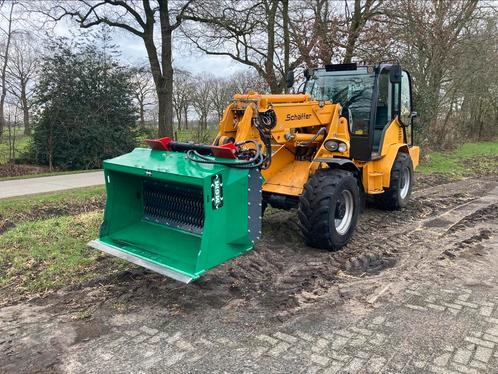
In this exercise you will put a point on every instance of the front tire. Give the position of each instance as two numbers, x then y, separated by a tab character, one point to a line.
329	208
400	188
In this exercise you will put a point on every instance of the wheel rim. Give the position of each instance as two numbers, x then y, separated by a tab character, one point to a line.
343	212
405	183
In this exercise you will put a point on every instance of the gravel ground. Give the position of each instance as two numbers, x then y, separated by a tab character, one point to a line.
415	291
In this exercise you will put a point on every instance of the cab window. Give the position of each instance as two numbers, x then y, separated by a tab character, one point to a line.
406	106
352	89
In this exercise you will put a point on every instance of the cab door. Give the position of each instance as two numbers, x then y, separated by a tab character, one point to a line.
406	115
384	108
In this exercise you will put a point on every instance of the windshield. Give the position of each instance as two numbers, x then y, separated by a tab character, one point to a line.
352	89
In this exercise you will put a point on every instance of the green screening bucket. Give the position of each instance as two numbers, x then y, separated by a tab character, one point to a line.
178	217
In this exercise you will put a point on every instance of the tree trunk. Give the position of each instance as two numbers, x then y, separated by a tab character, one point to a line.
285	18
354	32
155	69
163	83
270	76
185	115
168	108
165	105
10	140
479	121
165	128
4	72
25	110
179	118
2	118
141	111
166	120
50	150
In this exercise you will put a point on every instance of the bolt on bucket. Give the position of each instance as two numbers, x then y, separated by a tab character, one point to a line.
177	217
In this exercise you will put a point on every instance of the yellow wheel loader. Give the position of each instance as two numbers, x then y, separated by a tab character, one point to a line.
182	208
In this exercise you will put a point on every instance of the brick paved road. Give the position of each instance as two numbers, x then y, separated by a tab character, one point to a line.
431	329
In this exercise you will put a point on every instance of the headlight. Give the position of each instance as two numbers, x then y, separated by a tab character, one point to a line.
331	145
335	146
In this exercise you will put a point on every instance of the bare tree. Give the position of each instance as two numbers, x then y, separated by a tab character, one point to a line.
313	31
5	60
430	35
12	125
255	34
222	92
249	80
471	97
144	91
202	101
183	91
21	70
275	36
138	18
325	32
355	22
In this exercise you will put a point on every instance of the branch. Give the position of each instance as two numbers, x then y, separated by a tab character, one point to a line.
108	22
244	60
83	18
180	15
133	12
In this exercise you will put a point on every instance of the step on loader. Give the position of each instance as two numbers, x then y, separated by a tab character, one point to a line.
181	209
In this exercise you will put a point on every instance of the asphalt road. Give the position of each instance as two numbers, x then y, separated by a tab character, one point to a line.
20	187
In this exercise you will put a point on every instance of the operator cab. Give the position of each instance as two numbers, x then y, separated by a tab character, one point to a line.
372	97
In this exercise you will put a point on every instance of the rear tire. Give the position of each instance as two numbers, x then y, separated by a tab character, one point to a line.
329	208
400	187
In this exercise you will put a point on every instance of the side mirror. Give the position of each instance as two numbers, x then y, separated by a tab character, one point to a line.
395	74
413	114
290	78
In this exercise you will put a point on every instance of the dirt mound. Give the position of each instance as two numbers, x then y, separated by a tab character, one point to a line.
368	263
489	213
468	248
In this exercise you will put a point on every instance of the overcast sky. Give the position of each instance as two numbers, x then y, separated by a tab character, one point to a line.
132	48
184	56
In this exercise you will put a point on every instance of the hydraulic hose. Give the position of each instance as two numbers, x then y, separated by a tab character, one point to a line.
264	123
253	162
318	133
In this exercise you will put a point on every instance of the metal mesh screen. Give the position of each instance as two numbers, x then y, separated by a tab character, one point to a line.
174	205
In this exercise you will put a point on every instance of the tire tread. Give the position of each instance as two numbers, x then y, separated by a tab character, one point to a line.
314	211
390	200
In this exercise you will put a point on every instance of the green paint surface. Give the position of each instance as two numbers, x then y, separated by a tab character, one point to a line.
224	233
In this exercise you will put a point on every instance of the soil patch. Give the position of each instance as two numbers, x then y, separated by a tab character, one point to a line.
50	210
281	275
487	214
18	170
430	180
482	166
